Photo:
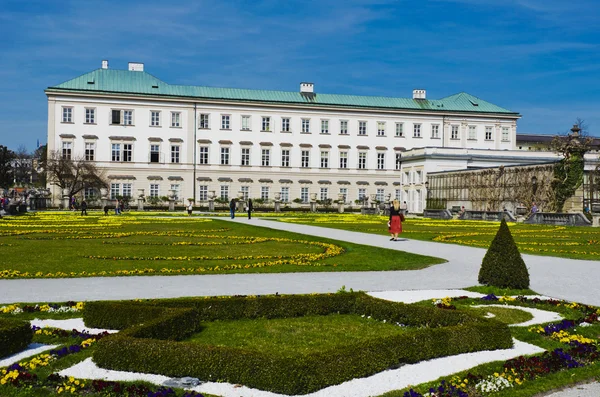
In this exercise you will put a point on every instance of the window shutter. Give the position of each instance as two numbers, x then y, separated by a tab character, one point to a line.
116	117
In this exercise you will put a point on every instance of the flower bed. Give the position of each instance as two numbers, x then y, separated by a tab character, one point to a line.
148	348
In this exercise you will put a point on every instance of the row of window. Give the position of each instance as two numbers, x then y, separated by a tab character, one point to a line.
122	152
125	117
126	189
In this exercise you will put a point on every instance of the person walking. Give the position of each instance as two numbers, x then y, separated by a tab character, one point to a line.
249	208
117	208
83	207
190	208
534	208
395	221
232	208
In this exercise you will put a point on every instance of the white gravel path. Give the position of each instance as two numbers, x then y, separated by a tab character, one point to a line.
411	374
412	296
32	350
539	316
70	324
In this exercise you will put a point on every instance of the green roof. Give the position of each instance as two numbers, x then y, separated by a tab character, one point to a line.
142	83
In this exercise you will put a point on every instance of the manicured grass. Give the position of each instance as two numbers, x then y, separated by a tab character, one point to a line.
504	315
561	241
301	335
68	245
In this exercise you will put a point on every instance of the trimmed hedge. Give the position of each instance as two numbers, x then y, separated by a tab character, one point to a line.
15	335
440	333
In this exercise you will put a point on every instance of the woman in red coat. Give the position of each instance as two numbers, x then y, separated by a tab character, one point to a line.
395	222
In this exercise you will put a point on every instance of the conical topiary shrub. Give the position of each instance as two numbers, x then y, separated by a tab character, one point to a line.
502	265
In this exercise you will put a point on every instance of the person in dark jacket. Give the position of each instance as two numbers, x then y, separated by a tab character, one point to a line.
232	208
395	222
249	208
83	207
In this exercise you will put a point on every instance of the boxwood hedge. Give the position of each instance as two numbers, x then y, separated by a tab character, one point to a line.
15	335
149	346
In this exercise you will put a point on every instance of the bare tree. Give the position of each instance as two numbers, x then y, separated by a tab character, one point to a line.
73	174
22	166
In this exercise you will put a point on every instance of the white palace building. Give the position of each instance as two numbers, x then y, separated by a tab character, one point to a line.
148	134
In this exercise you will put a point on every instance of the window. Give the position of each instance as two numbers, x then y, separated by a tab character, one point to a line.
419	177
380	161
400	129
398	195
324	159
122	117
265	157
344	193
344	127
264	192
175	119
224	156
115	152
245	156
203	192
285	124
362	128
203	153
67	148
224	192
398	160
266	124
245	192
304	194
406	177
285	158
454	132
127	190
175	153
381	128
305	159
246	123
505	134
324	193
89	192
225	121
154	153
285	194
203	121
488	133
114	190
90	149
343	159
127	152
155	118
154	189
306	126
380	195
67	114
472	132
324	126
416	130
435	131
362	160
175	187
362	193
90	115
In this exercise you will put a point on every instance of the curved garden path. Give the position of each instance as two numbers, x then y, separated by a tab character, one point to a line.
568	279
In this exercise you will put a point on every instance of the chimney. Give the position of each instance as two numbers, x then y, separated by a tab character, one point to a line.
136	67
307	87
419	94
104	64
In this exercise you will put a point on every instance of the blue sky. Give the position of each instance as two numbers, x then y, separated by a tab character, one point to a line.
536	57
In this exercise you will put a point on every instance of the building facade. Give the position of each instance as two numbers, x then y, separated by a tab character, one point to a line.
147	134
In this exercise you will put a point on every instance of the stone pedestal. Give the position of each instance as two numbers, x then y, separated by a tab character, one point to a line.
140	204
103	197
65	202
171	204
277	206
211	205
596	220
341	203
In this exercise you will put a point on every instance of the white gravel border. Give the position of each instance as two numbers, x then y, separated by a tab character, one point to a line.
410	374
539	316
31	350
69	325
413	296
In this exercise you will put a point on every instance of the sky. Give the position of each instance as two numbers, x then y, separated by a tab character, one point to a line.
540	58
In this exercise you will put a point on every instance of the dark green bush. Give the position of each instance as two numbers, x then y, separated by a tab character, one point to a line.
15	335
151	346
502	265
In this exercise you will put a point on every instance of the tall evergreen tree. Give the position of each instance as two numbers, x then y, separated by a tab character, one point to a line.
6	170
503	265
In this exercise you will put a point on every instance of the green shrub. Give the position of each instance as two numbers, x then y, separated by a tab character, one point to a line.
151	346
502	265
15	335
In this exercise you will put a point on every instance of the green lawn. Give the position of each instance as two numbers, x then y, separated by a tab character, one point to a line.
301	335
561	241
64	244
